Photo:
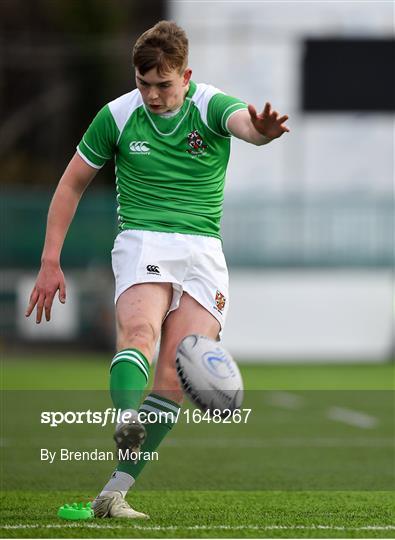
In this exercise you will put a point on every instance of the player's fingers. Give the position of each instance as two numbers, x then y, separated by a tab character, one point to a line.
48	305
32	302
283	119
40	307
274	115
252	111
267	108
62	292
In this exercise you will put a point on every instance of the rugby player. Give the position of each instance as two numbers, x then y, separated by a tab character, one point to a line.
170	140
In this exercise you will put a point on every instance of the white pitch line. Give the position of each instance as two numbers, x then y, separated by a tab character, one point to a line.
89	525
352	418
285	400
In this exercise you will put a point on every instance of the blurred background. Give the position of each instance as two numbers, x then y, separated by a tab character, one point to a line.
308	223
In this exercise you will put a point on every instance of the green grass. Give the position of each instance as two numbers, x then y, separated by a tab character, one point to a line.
90	372
290	472
208	514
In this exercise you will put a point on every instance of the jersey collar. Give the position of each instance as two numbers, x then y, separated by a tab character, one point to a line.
168	126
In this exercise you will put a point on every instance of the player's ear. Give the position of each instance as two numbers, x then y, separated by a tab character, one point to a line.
187	76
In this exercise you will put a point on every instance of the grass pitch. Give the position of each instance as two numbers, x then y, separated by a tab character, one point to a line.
315	459
211	514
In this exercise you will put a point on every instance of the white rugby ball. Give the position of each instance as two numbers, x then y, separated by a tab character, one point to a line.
208	374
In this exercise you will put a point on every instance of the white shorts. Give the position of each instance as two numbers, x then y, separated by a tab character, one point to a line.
191	263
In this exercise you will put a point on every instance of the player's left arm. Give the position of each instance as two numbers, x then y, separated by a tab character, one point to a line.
256	128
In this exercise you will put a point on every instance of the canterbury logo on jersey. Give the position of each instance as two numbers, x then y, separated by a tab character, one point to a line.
153	269
139	147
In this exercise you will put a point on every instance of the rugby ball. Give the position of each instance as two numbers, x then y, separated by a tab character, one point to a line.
208	374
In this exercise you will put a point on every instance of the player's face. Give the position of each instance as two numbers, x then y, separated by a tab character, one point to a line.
163	93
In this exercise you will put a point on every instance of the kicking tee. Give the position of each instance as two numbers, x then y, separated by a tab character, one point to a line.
170	171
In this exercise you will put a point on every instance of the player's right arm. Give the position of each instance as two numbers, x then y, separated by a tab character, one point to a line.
96	147
50	279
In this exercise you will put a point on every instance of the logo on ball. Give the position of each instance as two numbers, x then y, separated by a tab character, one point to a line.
218	364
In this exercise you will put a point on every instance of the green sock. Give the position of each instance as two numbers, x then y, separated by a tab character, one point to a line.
128	378
156	431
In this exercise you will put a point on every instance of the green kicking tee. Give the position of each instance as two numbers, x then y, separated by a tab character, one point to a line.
170	171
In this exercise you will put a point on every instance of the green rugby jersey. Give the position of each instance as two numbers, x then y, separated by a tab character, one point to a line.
170	172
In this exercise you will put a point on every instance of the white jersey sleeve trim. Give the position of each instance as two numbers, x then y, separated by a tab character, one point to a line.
93	151
201	98
87	160
123	107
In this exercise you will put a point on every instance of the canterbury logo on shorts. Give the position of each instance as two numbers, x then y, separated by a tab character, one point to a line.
139	147
152	269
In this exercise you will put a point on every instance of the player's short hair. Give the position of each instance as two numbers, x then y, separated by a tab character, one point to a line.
164	47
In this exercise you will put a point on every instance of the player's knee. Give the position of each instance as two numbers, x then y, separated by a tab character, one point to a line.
140	334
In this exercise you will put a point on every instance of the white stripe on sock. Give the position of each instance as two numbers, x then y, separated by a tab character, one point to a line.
138	357
133	360
129	351
167	415
173	408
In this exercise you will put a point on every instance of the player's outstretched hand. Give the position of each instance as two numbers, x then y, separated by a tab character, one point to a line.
50	279
268	123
